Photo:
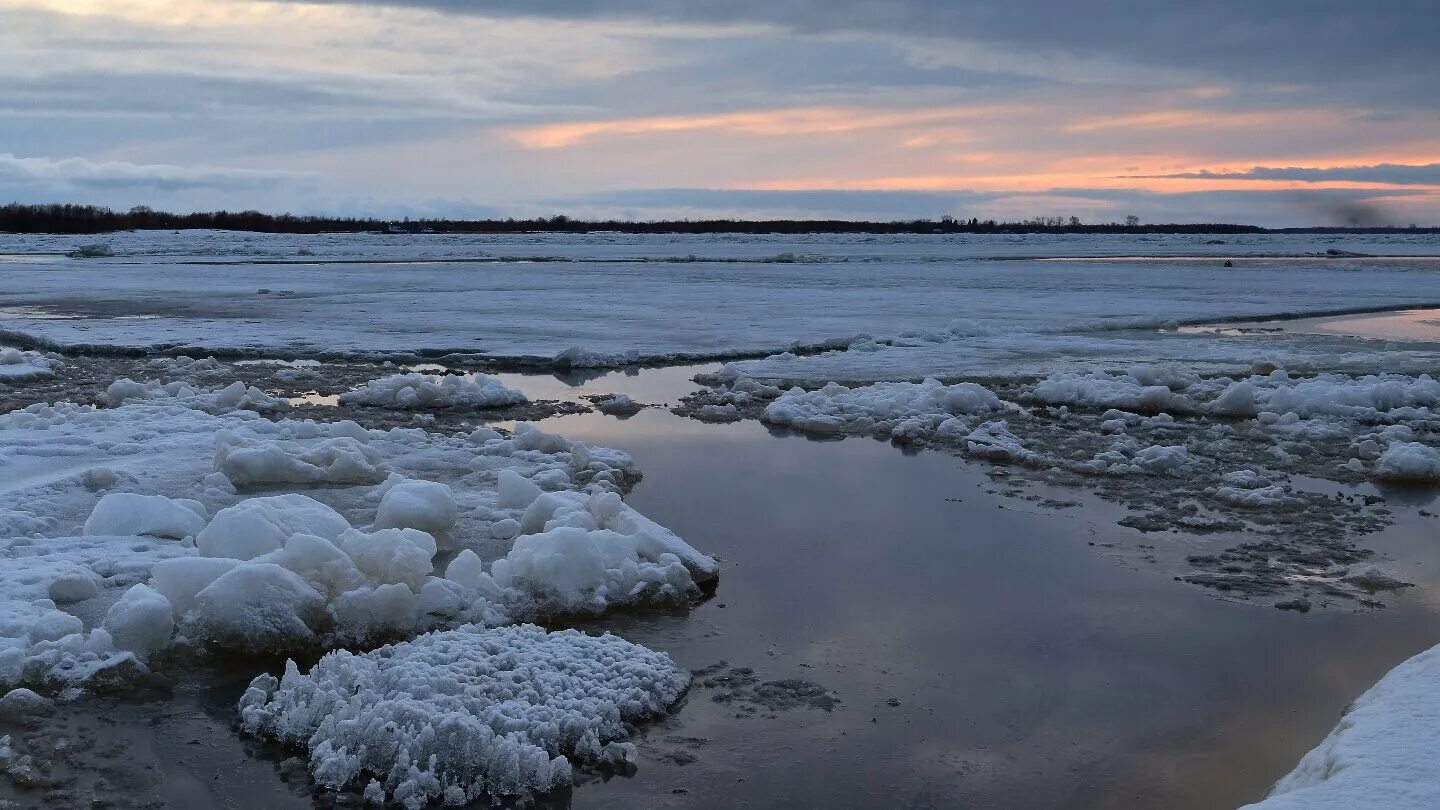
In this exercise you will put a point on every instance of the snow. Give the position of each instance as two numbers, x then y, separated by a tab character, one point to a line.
120	513
414	390
460	714
1381	754
908	410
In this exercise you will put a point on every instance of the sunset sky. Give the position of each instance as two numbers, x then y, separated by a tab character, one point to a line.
1278	112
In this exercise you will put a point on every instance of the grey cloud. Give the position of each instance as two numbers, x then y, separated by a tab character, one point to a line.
179	188
1299	41
1392	173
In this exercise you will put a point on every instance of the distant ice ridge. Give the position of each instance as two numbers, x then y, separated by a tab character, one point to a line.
414	390
1372	398
17	366
456	715
220	570
234	397
1381	754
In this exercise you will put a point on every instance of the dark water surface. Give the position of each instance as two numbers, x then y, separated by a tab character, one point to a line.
984	653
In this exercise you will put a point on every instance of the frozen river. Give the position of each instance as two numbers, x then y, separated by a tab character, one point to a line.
1054	582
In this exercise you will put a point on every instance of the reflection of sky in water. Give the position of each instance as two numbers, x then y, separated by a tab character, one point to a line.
1413	325
1031	669
651	386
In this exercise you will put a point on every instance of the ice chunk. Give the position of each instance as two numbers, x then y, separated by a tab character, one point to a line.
236	396
836	408
1409	462
391	555
319	562
326	461
124	513
262	525
423	505
515	491
412	391
141	622
179	580
464	713
256	606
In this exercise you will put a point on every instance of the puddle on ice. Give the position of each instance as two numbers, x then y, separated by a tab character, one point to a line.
1406	326
979	650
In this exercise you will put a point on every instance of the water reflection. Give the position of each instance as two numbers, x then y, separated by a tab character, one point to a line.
1411	325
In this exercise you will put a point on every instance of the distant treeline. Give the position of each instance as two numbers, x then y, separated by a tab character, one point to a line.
80	219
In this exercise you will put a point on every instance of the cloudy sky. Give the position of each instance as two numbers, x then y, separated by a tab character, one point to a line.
1275	112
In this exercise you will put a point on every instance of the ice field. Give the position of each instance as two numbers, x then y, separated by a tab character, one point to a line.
420	513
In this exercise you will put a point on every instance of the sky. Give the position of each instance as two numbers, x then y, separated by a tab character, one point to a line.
1282	112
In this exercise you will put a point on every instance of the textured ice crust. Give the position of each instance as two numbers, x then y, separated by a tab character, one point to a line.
464	713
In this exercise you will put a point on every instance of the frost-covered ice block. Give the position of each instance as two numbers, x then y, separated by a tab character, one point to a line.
1383	753
459	714
414	390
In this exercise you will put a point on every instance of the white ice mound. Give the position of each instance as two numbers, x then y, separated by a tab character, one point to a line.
17	366
262	525
234	397
414	390
1409	462
465	713
424	505
141	621
1382	753
122	513
342	460
586	553
902	410
257	606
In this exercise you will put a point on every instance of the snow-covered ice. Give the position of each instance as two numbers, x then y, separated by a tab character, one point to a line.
912	306
17	366
456	715
1382	753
